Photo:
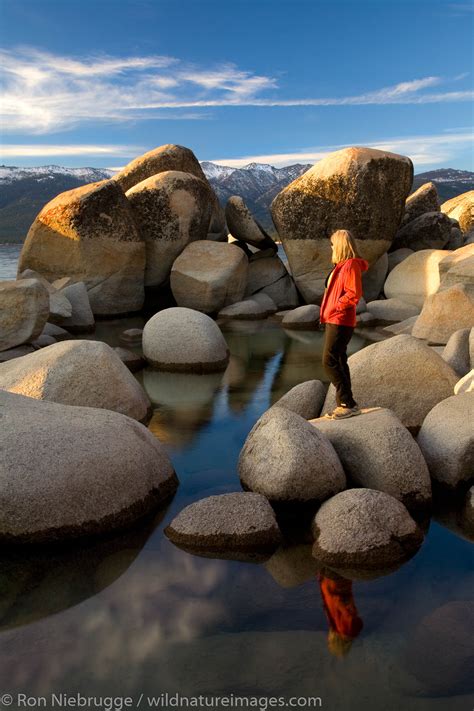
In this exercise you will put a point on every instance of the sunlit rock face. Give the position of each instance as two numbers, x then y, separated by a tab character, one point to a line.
89	234
461	208
171	210
69	472
77	372
359	189
172	157
416	277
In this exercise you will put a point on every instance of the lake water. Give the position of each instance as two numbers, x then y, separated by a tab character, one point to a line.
132	614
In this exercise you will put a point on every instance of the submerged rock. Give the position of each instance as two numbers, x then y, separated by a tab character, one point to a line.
362	530
289	461
303	317
181	339
238	525
248	310
446	439
361	189
68	471
378	452
24	310
87	373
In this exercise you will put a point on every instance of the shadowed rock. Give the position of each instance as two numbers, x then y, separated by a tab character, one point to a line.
24	310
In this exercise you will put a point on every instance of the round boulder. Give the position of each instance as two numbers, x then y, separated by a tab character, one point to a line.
303	317
289	461
67	472
464	385
360	189
397	256
234	525
444	313
390	310
171	210
378	452
432	230
446	439
415	277
159	160
89	234
207	276
181	339
24	310
87	373
461	208
402	374
247	310
363	530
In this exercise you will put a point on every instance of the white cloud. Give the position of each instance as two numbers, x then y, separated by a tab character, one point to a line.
44	150
43	93
423	150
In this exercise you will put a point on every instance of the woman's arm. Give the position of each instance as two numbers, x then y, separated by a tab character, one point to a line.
352	286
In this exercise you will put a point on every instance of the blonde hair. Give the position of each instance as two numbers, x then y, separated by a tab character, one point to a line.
344	246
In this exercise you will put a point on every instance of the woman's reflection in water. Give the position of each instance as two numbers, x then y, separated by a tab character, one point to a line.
344	621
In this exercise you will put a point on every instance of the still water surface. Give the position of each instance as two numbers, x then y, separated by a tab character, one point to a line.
133	614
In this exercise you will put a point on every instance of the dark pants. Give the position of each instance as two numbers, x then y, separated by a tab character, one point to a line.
336	339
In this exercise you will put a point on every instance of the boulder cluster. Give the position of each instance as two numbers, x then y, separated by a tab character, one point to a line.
156	234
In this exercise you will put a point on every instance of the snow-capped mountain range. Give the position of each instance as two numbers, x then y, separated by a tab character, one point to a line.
24	191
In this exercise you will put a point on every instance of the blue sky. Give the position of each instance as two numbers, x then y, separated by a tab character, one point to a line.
276	81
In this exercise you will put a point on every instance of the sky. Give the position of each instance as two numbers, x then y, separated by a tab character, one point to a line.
96	83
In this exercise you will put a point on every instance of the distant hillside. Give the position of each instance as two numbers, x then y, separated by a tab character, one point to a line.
24	191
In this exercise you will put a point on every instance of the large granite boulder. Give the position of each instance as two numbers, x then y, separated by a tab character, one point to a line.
402	374
236	525
363	530
159	160
378	452
24	310
209	275
415	277
461	272
432	230
89	234
242	226
360	189
183	340
306	399
171	210
452	258
444	313
456	352
461	208
87	373
289	461
425	199
446	439
68	471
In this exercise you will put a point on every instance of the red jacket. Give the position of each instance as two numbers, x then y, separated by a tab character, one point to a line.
343	293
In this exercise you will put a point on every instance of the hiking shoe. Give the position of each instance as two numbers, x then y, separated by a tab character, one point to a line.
342	411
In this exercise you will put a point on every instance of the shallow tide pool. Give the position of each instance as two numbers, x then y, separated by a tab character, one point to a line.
132	614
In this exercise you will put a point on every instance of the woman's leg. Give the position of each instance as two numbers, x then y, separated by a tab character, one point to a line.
335	361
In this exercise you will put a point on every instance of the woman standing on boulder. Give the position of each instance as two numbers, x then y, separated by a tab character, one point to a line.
338	313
